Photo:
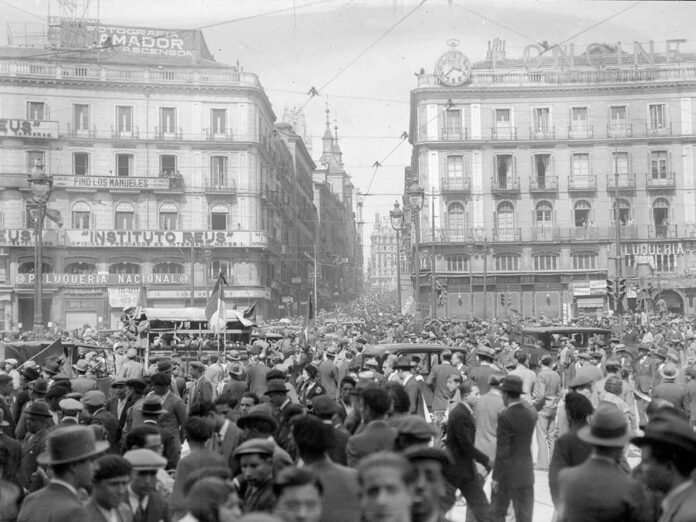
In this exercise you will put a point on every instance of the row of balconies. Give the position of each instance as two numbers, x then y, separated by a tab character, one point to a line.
550	184
589	233
571	132
158	133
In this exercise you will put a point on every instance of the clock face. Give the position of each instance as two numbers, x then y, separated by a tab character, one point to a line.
452	69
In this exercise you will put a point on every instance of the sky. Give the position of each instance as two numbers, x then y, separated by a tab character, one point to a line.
362	55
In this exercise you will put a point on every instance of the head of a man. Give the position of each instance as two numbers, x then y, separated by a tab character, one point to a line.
386	484
248	400
347	386
146	436
430	485
111	479
255	457
224	409
375	403
298	494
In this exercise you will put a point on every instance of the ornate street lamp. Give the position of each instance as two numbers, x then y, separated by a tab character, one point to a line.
416	196
397	222
41	187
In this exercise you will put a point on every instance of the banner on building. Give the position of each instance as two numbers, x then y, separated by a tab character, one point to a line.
165	238
112	280
28	128
118	182
123	297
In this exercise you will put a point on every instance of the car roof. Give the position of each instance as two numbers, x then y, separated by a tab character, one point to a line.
396	348
565	329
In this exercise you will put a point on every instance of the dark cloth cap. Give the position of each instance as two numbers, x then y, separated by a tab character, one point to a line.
276	386
160	379
323	405
415	426
39	386
38	409
138	384
512	384
30	374
255	447
667	428
151	406
258	413
416	453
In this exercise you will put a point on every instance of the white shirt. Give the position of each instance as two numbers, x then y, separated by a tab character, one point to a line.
135	502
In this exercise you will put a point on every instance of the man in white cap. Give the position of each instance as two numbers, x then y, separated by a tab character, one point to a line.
70	453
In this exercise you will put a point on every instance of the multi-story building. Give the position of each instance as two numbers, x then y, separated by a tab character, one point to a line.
525	160
383	254
166	168
339	261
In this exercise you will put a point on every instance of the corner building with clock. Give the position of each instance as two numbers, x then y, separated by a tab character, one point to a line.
523	159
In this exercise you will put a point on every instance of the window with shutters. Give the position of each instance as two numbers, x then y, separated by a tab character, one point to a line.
657	114
504	171
455	167
167	164
36	161
542	120
545	262
219	217
620	165
124	216
505	221
456	220
124	119
457	263
80	163
542	172
124	165
168	120
218	171
585	261
226	268
453	124
168	216
658	164
507	262
36	111
580	166
218	121
543	214
503	124
81	215
81	117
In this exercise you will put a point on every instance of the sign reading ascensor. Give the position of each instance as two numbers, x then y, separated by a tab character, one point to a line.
164	238
28	128
110	280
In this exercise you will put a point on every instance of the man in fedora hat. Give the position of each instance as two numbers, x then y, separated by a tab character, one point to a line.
480	374
598	489
668	453
37	393
235	386
36	417
513	471
70	453
669	389
150	411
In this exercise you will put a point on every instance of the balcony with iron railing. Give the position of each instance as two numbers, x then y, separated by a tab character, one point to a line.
625	182
502	235
619	130
216	135
660	181
82	131
582	183
503	133
663	232
169	134
539	184
459	185
580	131
120	134
220	186
659	129
507	185
454	134
542	133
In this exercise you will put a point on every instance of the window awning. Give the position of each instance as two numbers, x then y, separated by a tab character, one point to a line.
590	302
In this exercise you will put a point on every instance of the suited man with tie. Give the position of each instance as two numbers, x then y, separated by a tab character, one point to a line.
227	435
201	390
70	451
110	487
117	404
377	435
6	389
145	503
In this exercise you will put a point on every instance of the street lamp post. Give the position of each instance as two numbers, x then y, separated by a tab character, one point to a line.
41	187
397	222
416	195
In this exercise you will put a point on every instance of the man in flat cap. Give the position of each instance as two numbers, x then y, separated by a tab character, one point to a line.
36	417
668	453
430	486
146	504
94	402
255	457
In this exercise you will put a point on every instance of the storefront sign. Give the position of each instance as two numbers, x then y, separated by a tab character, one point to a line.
111	182
590	288
123	297
28	128
76	304
71	280
204	294
21	237
164	238
655	249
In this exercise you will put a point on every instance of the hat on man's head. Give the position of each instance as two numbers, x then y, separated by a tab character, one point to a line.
137	384
512	384
276	386
258	413
144	460
94	398
30	373
197	365
372	362
415	426
4	379
236	369
70	444
669	371
164	365
608	427
160	379
596	355
643	347
81	366
39	386
38	409
151	406
403	363
323	406
255	446
51	367
70	405
484	351
418	452
666	429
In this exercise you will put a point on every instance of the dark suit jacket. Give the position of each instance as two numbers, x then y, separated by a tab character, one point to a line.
96	516
54	503
377	436
479	375
514	466
338	453
109	422
461	434
597	491
568	451
413	389
10	457
233	438
32	447
201	391
340	485
437	380
7	415
157	509
682	507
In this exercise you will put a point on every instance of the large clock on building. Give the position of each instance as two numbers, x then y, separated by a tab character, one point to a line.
453	68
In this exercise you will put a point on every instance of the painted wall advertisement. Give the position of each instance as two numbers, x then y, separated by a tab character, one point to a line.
164	238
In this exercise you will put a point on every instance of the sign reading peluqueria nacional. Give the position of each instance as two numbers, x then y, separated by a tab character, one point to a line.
110	280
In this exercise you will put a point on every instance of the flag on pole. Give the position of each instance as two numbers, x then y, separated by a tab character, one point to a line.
309	321
53	349
215	311
250	313
140	303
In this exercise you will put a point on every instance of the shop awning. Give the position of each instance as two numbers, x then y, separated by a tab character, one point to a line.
590	302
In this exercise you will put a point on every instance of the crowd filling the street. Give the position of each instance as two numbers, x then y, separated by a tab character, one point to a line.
354	414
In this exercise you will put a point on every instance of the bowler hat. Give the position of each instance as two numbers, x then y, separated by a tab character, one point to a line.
70	444
276	386
608	427
669	371
323	406
236	369
667	429
403	363
39	386
258	413
30	373
512	384
151	406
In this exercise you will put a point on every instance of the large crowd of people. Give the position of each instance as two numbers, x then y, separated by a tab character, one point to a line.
311	426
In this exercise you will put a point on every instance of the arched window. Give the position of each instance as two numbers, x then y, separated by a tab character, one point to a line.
219	217
81	215
624	212
28	268
168	268
124	268
124	217
544	220
505	221
221	267
81	267
168	216
582	213
456	219
661	219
